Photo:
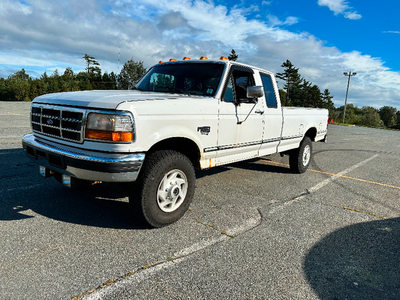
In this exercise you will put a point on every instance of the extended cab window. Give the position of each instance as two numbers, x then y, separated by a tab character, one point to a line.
236	89
189	78
269	92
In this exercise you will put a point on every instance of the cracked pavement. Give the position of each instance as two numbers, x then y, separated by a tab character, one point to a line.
253	231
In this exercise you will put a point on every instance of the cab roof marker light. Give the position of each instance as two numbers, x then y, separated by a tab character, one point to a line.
223	58
172	59
203	57
161	61
186	58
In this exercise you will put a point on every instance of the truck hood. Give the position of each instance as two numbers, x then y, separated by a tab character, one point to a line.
103	99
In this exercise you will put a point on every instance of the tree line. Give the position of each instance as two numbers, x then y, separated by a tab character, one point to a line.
296	91
22	87
299	92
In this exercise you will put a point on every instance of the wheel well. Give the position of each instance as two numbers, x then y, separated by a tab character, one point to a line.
182	145
311	133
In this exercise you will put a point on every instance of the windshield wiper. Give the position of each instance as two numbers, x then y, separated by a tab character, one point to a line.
175	89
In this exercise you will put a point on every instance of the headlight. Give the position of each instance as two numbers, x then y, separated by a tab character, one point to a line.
110	127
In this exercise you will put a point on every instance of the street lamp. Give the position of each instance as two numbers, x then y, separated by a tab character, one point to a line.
347	92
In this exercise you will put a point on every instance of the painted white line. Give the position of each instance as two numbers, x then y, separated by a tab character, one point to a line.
14	114
24	188
7	153
200	246
333	177
181	256
131	281
143	274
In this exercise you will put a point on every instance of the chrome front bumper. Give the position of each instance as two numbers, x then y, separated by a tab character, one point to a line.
106	167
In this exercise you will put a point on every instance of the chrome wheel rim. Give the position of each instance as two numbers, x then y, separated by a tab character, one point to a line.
172	191
306	155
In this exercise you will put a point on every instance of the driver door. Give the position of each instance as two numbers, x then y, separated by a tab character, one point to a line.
240	120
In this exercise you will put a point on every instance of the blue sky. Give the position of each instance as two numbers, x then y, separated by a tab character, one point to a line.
323	38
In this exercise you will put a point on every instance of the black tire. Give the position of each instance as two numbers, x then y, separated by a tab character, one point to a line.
300	158
165	188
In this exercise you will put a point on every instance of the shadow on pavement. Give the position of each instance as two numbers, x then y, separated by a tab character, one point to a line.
101	205
22	189
361	261
257	165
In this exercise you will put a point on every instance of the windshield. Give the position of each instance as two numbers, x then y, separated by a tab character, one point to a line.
188	78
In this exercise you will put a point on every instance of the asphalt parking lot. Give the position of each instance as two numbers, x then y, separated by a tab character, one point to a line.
254	230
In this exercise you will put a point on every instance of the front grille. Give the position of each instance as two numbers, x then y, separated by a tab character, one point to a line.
60	122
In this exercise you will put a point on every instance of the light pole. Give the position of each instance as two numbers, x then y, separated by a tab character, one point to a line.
347	91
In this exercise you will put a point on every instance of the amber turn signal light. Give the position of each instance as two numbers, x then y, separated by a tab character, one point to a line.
109	136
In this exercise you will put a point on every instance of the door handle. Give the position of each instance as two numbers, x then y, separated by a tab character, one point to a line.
261	112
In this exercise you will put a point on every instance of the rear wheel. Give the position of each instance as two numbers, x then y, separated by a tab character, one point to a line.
300	158
165	188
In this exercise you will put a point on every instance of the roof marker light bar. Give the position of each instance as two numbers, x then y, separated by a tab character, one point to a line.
203	57
186	58
223	58
172	59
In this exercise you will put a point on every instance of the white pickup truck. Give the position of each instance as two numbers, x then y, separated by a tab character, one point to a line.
181	115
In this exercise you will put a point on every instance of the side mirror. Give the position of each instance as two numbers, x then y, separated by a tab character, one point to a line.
255	91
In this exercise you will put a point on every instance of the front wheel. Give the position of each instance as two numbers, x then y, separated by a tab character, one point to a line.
300	158
165	188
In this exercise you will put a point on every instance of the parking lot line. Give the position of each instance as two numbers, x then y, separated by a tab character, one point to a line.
358	179
341	175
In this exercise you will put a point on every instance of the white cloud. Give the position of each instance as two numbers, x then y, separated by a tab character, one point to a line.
172	20
353	15
340	7
392	31
274	21
8	6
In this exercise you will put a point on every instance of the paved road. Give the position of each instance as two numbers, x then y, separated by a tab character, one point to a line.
254	230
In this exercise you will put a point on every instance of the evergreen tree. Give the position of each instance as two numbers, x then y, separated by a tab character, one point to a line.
113	81
38	87
328	104
307	95
21	75
109	81
282	96
131	72
327	100
233	56
54	83
68	81
3	89
18	86
84	81
68	74
92	65
292	80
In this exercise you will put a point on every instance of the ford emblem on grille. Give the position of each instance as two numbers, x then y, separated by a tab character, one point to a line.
50	121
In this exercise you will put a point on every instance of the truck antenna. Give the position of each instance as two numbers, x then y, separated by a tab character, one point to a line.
119	52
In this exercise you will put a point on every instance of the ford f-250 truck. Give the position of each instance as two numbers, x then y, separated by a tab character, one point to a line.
181	115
